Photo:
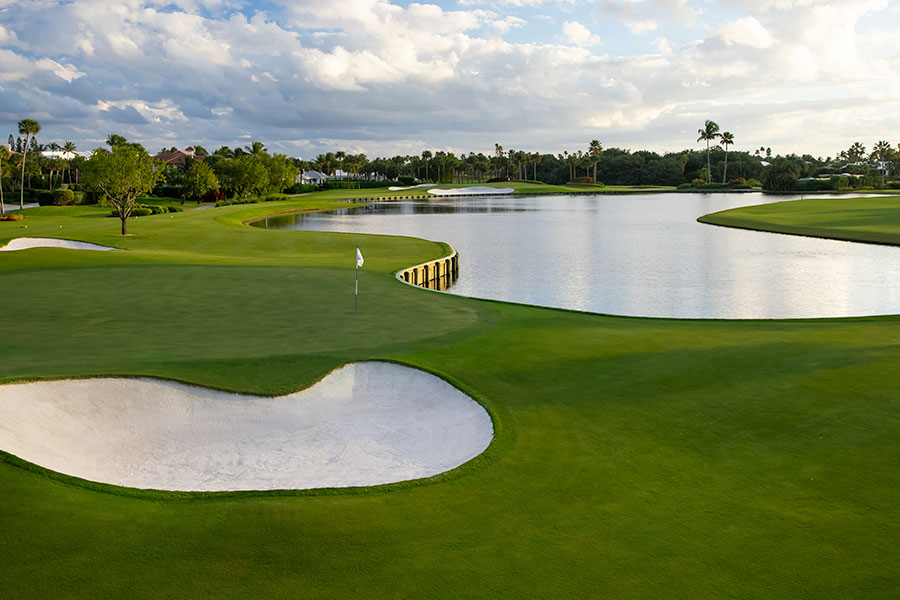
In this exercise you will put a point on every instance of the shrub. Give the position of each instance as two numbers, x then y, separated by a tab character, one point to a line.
698	182
583	180
167	191
44	198
737	181
78	197
63	197
894	185
498	179
756	183
175	209
12	217
406	180
683	186
301	188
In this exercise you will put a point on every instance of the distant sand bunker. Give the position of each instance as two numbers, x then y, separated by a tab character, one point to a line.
365	424
470	191
27	243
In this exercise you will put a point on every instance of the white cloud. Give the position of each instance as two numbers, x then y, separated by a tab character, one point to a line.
378	76
576	33
746	31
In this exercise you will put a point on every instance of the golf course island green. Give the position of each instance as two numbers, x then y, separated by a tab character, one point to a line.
872	219
632	457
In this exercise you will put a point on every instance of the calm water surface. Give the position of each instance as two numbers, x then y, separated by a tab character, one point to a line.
642	255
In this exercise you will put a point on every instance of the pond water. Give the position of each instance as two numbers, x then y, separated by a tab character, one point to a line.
641	255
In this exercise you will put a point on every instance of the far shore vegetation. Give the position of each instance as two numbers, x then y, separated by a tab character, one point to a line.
32	171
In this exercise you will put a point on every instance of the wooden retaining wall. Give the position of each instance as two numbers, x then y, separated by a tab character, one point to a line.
435	275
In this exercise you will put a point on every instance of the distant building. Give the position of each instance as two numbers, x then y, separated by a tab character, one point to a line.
178	157
312	177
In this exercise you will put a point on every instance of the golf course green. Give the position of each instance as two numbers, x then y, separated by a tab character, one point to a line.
872	219
632	457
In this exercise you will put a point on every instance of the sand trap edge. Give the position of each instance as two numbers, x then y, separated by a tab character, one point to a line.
27	243
486	420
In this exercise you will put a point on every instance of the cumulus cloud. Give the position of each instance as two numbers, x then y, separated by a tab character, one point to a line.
385	77
576	33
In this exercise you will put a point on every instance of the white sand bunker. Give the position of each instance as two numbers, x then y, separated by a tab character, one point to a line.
396	188
27	243
365	424
469	191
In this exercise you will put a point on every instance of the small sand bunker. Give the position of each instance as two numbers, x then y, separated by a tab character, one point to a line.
365	424
470	191
396	188
27	243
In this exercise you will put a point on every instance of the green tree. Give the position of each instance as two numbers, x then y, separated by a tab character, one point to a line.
727	140
4	156
198	179
114	139
69	150
709	133
28	128
781	175
856	152
255	148
123	174
596	151
882	153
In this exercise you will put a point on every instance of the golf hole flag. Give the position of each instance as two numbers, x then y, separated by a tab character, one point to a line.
359	263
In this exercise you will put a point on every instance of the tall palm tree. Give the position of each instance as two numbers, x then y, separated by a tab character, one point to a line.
882	152
341	157
727	140
255	148
709	132
28	128
4	154
426	158
595	150
856	152
69	150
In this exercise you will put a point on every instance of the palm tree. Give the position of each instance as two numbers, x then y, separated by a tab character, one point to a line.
727	140
4	154
69	150
426	158
255	148
882	151
856	152
28	128
709	132
341	157
595	149
114	139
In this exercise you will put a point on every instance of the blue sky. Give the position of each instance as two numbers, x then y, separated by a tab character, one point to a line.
388	78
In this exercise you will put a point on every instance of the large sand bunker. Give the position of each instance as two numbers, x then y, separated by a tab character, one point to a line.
475	190
27	243
365	424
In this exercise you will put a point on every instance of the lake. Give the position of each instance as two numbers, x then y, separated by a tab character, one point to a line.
640	255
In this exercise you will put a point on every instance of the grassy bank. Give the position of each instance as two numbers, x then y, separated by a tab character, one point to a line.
872	219
634	458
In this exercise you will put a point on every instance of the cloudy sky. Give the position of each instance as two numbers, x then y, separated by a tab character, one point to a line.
392	77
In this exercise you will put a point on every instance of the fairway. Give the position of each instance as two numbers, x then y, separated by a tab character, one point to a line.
873	219
632	457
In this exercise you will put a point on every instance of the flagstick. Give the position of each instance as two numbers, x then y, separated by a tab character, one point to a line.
356	295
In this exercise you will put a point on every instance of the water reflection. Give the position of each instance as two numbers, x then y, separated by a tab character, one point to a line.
637	255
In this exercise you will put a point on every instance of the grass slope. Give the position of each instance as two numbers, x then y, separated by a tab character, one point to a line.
634	458
872	219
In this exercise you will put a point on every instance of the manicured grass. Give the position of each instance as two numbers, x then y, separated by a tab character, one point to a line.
634	458
871	219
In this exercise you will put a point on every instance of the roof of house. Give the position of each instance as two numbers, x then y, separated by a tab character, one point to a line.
178	157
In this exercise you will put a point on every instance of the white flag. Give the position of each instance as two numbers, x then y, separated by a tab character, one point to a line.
359	258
